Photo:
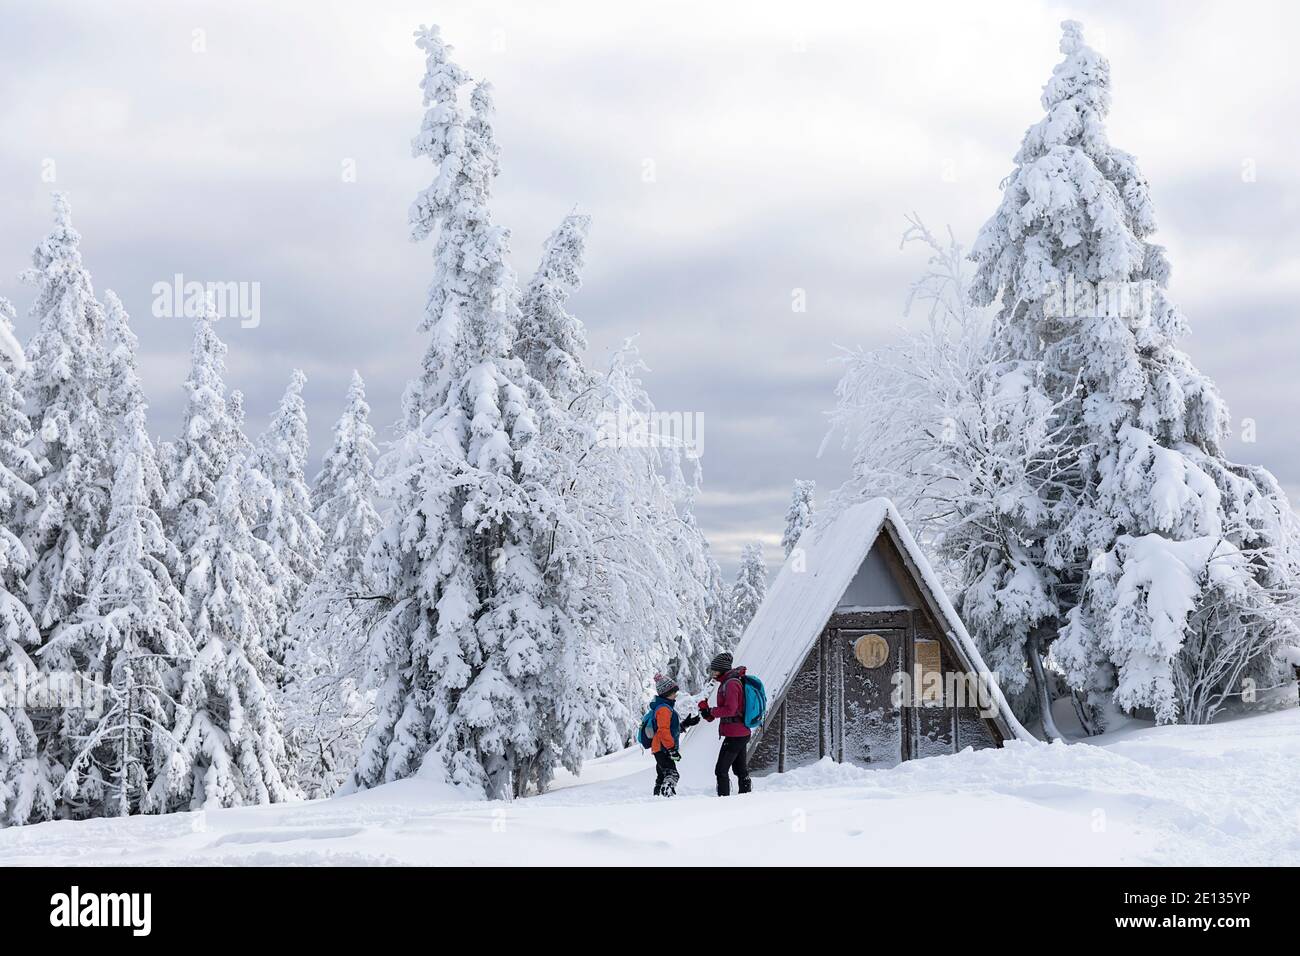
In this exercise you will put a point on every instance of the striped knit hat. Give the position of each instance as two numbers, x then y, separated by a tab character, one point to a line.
721	663
664	685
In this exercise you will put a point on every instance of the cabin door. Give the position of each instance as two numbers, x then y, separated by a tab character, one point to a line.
866	716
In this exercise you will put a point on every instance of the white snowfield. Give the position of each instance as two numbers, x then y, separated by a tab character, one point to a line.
1209	795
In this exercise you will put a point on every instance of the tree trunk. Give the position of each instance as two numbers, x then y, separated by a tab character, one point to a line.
1033	648
1084	713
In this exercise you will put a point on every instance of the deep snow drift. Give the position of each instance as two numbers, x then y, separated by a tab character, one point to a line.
1216	795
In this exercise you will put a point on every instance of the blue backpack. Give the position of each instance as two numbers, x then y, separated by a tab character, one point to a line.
645	736
755	702
647	730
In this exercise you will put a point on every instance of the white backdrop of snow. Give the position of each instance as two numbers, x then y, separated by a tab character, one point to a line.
1222	794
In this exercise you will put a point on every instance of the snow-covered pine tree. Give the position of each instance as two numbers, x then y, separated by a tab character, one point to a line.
328	709
344	491
800	514
473	641
287	525
1160	538
228	747
240	445
122	379
747	593
208	441
125	393
551	340
130	634
64	387
27	779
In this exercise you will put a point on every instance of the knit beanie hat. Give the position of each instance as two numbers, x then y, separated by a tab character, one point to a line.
721	663
664	685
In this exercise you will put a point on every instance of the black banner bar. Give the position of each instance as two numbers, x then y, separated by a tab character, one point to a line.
295	905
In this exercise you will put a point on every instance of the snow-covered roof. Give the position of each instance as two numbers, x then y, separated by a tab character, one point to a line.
808	589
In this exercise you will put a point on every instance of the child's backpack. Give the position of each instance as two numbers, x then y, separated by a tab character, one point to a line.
755	702
646	734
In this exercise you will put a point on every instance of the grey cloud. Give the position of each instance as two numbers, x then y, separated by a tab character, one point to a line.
775	170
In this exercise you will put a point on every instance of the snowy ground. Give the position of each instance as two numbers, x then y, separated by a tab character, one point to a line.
1225	794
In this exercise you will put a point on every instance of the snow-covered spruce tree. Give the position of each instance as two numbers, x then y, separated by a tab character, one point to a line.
800	514
123	393
211	440
1083	296
962	438
747	593
287	525
228	747
130	634
64	387
328	709
208	441
472	641
344	491
551	340
240	445
27	779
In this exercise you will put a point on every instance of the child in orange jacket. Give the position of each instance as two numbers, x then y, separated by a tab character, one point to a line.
667	735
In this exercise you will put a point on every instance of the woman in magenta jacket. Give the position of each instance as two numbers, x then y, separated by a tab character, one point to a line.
730	712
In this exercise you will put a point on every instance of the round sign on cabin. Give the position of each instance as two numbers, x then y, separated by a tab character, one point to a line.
871	650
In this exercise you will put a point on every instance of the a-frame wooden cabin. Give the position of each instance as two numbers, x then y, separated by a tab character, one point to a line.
863	655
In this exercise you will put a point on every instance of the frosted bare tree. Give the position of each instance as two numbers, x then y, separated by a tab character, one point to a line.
967	444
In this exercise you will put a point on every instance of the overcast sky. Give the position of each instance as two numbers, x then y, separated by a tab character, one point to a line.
728	152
